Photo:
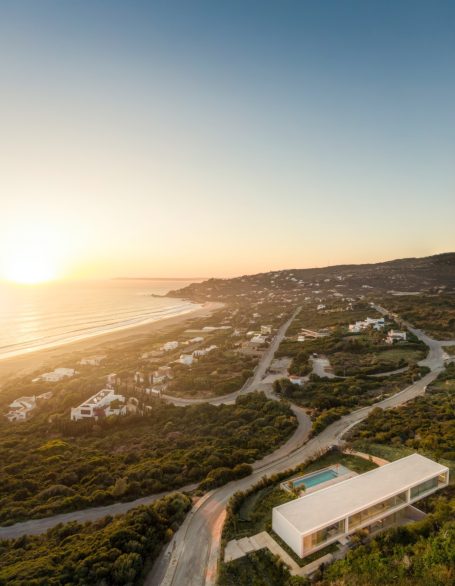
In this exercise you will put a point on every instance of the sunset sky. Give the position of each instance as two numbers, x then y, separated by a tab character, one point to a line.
211	138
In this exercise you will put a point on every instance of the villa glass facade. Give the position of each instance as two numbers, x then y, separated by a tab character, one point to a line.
323	535
376	510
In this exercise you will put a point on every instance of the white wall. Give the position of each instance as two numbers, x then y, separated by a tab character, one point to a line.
287	532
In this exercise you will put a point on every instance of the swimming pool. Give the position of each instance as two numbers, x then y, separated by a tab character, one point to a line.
314	479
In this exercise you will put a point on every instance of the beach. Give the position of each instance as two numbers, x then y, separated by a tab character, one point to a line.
24	363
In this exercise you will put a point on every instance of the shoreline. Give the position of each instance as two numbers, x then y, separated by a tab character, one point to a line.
21	364
109	329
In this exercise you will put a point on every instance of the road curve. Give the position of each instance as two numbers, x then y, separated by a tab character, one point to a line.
191	556
37	526
259	373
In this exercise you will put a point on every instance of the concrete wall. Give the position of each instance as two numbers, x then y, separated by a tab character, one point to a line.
287	532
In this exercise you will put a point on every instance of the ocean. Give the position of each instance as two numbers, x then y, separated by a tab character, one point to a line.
42	316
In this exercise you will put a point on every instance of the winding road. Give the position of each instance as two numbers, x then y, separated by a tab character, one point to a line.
192	555
251	385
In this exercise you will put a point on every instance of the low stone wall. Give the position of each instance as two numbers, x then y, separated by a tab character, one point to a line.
375	459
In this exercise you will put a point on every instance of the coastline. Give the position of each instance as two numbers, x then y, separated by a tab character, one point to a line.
21	364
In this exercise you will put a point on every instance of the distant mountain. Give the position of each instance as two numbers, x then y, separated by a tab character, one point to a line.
428	274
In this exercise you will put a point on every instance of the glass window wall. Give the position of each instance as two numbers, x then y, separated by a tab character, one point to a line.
376	510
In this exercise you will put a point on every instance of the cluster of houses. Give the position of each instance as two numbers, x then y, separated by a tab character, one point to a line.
257	339
378	324
21	408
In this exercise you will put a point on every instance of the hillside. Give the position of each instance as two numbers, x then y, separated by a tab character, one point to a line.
430	274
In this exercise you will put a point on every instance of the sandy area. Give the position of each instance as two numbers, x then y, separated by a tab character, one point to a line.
24	363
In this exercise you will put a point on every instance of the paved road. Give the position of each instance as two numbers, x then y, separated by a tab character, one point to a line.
37	526
251	385
191	556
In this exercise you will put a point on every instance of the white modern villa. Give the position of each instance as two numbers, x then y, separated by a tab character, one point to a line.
100	405
374	500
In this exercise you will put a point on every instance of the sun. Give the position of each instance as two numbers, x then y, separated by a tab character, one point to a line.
30	269
30	261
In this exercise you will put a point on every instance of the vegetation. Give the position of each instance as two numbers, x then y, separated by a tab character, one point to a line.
48	468
259	568
329	399
220	372
433	313
419	554
111	551
427	423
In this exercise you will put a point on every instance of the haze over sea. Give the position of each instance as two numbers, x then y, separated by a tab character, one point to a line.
51	314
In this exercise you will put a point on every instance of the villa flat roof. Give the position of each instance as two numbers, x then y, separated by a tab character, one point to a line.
318	509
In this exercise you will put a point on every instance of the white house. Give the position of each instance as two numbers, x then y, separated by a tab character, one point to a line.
158	379
300	338
93	360
139	378
258	340
186	359
370	501
297	380
56	375
320	306
204	351
170	346
21	408
111	380
266	330
359	326
99	406
395	336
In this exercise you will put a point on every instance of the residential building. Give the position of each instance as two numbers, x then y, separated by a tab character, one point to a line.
102	404
359	326
266	330
56	375
186	359
258	340
297	380
158	379
395	336
204	351
21	408
370	501
170	346
139	378
163	371
111	380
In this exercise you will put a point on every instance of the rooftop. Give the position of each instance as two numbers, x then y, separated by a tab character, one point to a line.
318	509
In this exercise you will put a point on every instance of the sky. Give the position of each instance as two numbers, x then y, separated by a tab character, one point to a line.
210	138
